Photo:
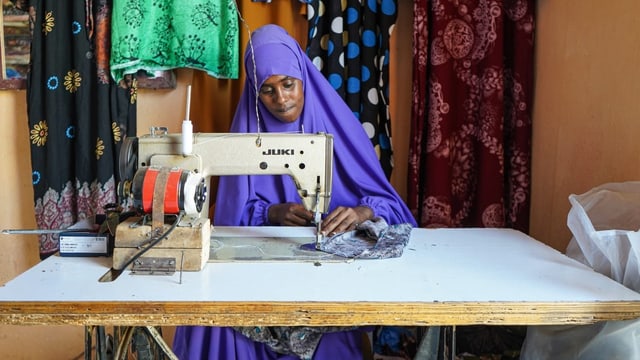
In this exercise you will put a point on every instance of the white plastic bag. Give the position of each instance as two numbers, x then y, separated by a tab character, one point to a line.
604	222
607	340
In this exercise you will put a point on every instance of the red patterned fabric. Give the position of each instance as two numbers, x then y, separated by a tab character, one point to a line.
470	151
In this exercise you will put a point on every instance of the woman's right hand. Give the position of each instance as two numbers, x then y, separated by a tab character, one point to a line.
289	214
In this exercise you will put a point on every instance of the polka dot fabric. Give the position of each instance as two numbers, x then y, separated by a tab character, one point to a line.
349	44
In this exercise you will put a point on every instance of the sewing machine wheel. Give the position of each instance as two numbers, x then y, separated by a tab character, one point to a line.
128	159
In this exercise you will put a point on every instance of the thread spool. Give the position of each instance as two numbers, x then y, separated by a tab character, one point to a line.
184	191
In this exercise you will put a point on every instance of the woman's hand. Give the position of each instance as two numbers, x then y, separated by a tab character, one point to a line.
345	219
289	214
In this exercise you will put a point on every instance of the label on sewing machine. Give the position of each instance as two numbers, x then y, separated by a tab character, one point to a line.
84	244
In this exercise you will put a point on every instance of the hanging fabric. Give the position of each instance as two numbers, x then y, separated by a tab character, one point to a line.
155	35
349	43
78	117
470	150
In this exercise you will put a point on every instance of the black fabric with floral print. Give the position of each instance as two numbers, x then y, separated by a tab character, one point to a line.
78	117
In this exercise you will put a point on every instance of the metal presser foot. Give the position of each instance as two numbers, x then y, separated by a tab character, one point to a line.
315	246
318	221
319	236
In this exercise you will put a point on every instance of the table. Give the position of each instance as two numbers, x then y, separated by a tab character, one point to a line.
445	277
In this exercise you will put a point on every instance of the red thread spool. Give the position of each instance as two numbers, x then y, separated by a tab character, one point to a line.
183	191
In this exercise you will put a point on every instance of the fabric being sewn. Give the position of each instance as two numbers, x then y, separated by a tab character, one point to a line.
373	239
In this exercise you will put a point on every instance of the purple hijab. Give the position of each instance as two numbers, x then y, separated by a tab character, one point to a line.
358	178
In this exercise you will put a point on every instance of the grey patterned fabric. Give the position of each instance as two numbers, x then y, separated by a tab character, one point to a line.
373	239
300	341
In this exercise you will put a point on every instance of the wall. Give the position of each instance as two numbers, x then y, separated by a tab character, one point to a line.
400	94
585	116
19	252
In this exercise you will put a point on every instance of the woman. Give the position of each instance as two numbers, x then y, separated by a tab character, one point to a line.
291	95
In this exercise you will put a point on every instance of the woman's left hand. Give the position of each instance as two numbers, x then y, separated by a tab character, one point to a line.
345	219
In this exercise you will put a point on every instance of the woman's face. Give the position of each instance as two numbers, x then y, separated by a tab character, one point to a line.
283	97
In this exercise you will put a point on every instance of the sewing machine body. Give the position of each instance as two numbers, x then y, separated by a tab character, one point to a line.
307	158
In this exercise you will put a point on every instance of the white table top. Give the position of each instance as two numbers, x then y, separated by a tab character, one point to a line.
445	276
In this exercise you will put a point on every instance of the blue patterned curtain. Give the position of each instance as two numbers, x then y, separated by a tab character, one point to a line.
78	117
349	43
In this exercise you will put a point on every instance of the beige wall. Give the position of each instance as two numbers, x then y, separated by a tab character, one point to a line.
586	116
586	125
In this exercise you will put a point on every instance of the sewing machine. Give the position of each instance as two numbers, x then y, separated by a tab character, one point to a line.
168	175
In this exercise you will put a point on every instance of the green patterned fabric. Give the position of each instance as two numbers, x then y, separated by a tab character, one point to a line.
156	35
